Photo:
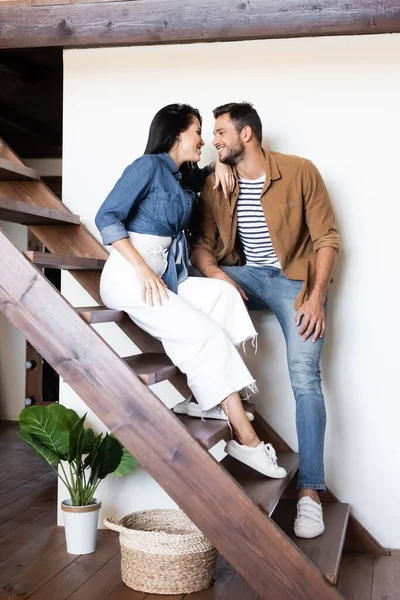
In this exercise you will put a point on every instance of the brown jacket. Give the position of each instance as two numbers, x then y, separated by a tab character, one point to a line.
297	210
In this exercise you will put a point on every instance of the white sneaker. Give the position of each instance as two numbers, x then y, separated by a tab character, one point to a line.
182	407
262	458
187	407
310	520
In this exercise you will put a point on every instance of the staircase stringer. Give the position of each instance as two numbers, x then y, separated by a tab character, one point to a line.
249	540
78	241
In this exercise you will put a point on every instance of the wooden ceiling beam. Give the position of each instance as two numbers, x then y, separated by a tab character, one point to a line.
143	22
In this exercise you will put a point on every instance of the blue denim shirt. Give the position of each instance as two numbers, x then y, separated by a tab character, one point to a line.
149	198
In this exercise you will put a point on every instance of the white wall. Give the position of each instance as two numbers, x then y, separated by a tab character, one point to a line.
335	101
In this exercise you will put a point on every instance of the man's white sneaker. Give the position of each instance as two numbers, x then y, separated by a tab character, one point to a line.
262	458
187	407
310	520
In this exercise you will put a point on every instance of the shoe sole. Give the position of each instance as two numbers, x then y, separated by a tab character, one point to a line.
180	411
245	462
308	535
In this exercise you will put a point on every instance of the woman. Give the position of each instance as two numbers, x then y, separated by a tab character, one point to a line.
199	321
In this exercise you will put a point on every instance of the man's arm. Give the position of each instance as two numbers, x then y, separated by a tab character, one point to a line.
204	240
204	231
323	231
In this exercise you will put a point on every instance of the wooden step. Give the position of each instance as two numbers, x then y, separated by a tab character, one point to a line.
210	431
152	367
24	213
326	550
10	171
100	314
262	490
45	260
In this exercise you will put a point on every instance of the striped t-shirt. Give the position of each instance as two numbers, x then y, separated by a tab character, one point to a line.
252	227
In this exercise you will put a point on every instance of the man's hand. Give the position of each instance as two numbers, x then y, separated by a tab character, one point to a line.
311	318
217	273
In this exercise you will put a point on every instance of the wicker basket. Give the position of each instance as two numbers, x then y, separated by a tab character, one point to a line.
163	552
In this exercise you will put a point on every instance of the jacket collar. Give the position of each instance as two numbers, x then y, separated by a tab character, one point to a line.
271	174
169	163
271	168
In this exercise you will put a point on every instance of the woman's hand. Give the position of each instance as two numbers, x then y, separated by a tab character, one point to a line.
224	177
154	290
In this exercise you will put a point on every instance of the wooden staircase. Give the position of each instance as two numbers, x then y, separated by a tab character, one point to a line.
248	517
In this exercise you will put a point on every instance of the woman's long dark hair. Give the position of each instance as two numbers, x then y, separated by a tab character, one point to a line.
164	130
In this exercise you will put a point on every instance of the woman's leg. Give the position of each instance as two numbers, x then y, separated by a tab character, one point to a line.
199	347
222	303
244	431
196	344
248	448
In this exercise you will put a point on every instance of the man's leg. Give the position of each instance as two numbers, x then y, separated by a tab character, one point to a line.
304	370
268	287
252	280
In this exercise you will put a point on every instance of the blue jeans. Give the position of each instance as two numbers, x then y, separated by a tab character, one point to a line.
267	287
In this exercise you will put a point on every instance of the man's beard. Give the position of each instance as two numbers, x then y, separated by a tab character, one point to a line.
234	154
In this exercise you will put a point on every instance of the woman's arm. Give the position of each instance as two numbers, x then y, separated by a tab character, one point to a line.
195	177
224	177
153	287
130	189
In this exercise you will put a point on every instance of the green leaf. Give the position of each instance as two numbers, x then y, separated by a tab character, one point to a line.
107	458
65	416
89	439
90	459
41	424
41	450
127	464
77	440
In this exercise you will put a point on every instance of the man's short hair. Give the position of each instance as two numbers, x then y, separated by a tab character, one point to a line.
241	114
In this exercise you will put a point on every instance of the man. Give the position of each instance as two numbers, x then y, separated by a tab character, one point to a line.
274	238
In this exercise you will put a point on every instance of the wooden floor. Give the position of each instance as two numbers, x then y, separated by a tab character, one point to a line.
34	563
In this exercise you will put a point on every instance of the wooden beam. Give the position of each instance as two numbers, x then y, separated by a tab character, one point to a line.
141	22
248	539
151	367
99	314
24	213
264	492
45	260
9	171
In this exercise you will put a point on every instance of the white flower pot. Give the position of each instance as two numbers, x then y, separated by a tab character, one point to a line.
81	526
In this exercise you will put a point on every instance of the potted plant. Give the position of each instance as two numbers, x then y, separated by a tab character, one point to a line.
81	460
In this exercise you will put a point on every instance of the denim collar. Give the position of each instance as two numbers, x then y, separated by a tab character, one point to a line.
165	157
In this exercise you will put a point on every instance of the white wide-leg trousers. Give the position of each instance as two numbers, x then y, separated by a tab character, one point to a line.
199	327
